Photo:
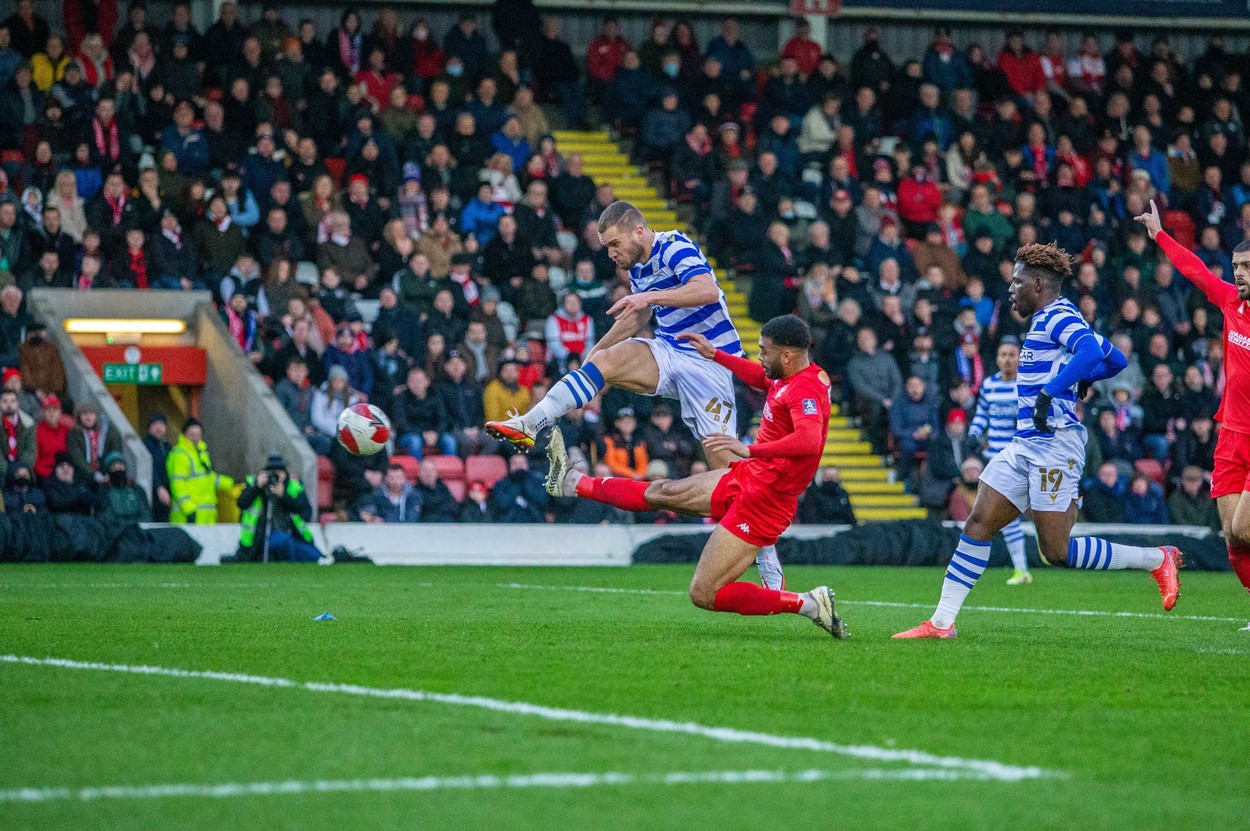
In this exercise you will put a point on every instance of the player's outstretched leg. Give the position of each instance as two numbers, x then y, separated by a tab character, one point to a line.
1163	562
1013	535
725	558
571	392
692	495
990	513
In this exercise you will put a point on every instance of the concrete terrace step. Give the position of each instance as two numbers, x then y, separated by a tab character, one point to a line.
889	514
865	474
848	448
892	500
865	487
843	461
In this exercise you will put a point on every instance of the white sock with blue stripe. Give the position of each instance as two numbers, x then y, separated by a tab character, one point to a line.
1013	534
1093	553
572	392
967	563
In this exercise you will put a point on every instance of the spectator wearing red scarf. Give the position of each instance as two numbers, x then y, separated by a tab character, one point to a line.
18	433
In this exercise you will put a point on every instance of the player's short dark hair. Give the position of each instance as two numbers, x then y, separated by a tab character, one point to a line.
620	215
396	466
1242	247
788	331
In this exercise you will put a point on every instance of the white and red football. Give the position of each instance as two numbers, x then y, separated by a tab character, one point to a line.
364	429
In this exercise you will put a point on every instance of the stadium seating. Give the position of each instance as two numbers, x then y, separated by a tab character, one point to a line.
485	469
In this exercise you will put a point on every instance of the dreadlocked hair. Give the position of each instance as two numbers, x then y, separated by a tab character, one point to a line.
1049	257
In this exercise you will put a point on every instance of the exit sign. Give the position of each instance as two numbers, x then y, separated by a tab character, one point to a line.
143	374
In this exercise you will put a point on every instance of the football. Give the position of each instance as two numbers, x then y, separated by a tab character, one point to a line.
364	429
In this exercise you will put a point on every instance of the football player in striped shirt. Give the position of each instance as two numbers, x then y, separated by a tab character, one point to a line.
995	424
1040	468
672	281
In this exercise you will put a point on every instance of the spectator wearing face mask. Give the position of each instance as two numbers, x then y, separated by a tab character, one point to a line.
21	494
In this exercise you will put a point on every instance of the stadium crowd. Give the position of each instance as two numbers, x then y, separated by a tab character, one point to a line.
302	176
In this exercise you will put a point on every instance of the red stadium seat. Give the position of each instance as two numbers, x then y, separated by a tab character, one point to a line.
325	483
337	168
450	468
457	490
409	464
485	469
1151	468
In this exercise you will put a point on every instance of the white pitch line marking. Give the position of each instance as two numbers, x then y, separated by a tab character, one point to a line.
488	782
729	735
894	605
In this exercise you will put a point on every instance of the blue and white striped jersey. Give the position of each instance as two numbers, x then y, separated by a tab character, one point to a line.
674	260
1050	343
997	409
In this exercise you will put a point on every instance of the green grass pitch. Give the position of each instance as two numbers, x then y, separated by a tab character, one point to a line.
1136	721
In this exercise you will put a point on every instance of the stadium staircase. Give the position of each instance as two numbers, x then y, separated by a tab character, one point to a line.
874	493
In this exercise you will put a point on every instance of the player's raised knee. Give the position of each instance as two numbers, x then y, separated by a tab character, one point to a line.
662	492
702	593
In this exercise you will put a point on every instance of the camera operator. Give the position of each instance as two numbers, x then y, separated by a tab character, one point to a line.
275	513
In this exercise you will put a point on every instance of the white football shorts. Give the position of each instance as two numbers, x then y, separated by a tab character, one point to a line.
704	388
1042	473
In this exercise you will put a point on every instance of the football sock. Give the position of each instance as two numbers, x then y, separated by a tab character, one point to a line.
1013	534
967	563
571	392
1095	553
750	599
617	491
1240	560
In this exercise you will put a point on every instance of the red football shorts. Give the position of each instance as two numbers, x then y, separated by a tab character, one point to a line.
751	513
1232	463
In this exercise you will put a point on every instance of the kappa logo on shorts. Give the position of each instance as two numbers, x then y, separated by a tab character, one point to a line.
809	406
744	528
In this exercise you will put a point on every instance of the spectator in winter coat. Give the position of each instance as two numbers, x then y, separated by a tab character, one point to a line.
295	395
1104	496
40	362
1144	503
419	417
477	506
825	501
20	441
504	394
394	501
21	494
156	443
570	331
345	353
89	441
51	436
437	503
1191	503
519	497
913	421
330	400
625	450
65	493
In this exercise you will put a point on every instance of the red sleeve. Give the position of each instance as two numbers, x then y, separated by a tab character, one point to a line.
807	439
1216	290
749	371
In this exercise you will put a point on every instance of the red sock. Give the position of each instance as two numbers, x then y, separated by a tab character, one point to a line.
1240	558
750	599
626	494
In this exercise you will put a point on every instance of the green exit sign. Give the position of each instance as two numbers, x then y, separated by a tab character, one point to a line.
143	374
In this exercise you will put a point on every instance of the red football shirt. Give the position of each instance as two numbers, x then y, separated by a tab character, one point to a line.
1234	412
793	428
